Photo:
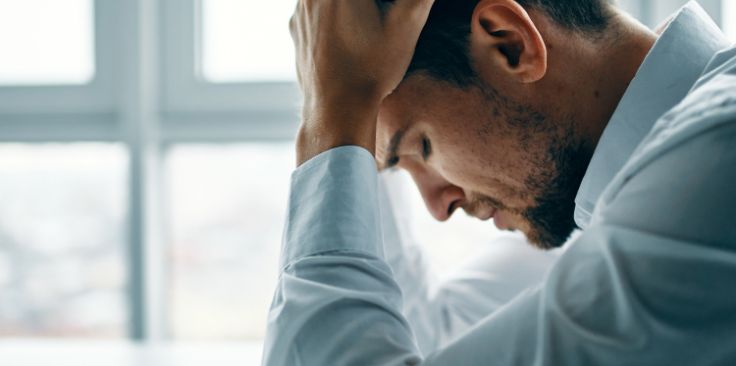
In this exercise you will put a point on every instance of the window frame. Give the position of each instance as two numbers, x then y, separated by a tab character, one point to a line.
93	97
185	91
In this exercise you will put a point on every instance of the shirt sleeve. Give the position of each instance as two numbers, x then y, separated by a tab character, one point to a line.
336	302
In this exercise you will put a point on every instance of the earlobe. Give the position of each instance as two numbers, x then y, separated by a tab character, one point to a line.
505	36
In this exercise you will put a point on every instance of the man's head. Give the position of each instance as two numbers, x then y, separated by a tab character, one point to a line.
502	107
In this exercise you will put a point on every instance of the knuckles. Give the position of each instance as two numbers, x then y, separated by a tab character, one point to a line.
292	25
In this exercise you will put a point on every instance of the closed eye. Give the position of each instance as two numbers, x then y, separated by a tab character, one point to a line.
392	162
426	148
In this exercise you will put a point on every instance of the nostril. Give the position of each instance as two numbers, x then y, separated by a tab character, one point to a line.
452	207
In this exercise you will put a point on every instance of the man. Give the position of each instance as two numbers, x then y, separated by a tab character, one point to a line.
540	115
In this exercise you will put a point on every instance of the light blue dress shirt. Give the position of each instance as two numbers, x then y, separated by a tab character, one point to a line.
663	80
650	281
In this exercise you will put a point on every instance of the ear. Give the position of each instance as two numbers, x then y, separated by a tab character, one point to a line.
504	38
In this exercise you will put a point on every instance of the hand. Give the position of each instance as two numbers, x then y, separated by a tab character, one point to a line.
350	55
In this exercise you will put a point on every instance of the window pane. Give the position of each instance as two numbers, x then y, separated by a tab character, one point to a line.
61	240
729	18
46	42
227	209
247	40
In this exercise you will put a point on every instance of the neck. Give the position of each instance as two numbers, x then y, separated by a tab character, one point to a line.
604	72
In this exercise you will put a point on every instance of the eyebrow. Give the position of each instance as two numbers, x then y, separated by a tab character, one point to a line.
393	149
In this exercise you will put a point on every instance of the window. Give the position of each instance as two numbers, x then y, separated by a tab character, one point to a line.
62	266
227	206
233	56
729	19
247	40
51	30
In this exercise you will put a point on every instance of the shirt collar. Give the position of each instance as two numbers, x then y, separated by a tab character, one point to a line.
669	70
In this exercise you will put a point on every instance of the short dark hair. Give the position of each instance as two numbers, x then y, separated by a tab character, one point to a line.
442	49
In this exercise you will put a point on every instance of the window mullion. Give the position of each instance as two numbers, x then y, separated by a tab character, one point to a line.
137	71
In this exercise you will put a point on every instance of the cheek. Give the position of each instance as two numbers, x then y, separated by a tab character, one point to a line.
472	147
468	160
484	170
474	150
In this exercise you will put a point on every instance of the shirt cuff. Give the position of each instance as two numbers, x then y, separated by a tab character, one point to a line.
333	206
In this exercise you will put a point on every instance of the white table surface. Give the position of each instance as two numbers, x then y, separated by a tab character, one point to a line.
24	352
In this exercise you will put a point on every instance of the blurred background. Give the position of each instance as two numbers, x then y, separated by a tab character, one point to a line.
145	154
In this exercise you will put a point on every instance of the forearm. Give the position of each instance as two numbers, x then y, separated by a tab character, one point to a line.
336	302
338	309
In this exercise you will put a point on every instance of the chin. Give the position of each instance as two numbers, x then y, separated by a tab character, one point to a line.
546	241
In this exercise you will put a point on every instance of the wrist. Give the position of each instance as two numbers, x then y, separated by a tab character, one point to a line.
312	141
339	125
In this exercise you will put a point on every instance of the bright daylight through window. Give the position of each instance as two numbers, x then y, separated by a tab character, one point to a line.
227	206
56	30
62	252
247	40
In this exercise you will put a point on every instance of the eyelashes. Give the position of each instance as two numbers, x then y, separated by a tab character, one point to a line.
426	148
426	151
393	162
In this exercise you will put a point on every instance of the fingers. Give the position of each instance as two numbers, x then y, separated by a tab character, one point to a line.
292	26
296	23
414	12
407	18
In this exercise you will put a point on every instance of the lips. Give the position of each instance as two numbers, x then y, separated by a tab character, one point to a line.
487	215
500	222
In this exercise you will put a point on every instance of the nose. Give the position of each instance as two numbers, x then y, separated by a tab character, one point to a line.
442	200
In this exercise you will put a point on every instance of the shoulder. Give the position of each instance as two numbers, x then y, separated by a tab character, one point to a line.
681	180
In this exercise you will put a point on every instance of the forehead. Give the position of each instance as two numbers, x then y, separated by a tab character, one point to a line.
405	101
410	103
420	102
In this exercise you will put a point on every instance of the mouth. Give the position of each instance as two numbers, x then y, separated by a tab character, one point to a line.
487	215
501	222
